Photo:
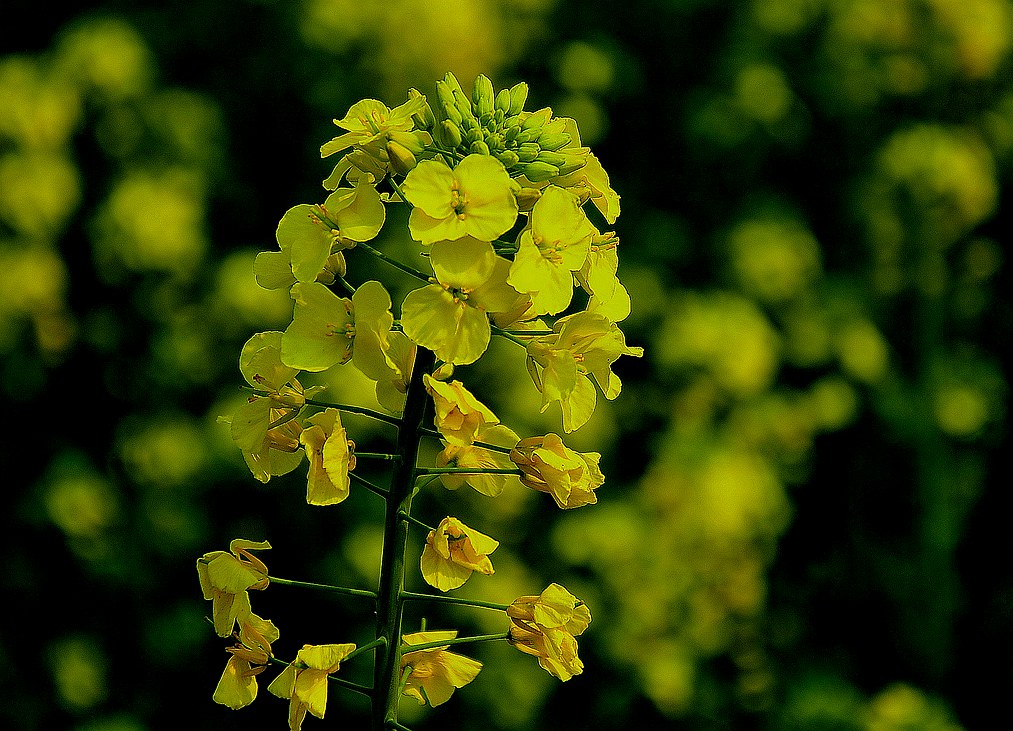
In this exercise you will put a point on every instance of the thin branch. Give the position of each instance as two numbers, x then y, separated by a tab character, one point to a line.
376	490
415	596
324	587
405	649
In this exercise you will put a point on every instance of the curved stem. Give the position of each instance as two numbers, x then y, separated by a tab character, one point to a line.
483	445
378	642
393	262
376	490
414	521
415	596
405	649
506	334
324	587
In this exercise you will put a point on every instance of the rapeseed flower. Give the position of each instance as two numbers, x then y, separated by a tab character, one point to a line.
304	682
550	466
225	577
331	457
479	458
248	658
453	552
435	673
545	626
459	415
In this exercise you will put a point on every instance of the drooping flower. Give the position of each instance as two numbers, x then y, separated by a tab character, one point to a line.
459	415
591	182
309	234
391	391
476	198
304	682
247	659
581	349
479	458
552	247
598	278
263	427
436	672
550	466
453	552
331	457
546	626
225	577
450	317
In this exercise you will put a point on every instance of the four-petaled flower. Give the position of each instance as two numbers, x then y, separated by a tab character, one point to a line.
479	458
546	626
225	577
304	682
476	199
550	466
453	551
435	673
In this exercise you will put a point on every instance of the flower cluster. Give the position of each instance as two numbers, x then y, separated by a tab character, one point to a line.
512	214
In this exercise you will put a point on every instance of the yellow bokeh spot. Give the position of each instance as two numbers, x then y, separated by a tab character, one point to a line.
961	410
82	505
862	351
166	454
38	112
240	298
106	55
774	259
762	92
79	673
581	66
39	192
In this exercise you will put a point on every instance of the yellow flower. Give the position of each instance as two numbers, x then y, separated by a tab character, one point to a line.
479	458
435	673
226	577
598	278
304	682
476	198
238	685
550	466
452	552
545	626
331	456
459	415
563	365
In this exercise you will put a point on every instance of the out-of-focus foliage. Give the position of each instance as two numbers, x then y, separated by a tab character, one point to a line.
806	493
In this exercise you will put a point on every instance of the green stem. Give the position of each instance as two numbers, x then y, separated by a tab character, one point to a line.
420	484
456	641
397	189
377	455
324	587
357	410
483	445
341	280
506	334
529	333
378	642
397	726
467	471
389	605
415	521
393	262
375	489
414	596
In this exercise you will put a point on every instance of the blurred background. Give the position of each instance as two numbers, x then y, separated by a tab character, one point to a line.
806	514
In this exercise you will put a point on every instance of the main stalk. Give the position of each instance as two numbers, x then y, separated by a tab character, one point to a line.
389	603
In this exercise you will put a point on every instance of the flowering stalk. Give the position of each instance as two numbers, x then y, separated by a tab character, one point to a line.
390	605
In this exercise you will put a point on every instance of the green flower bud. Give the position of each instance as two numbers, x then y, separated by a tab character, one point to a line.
527	135
553	158
452	83
451	134
336	266
463	105
527	197
479	147
503	101
495	141
554	127
483	96
511	134
518	95
537	119
446	97
507	157
401	158
444	372
498	117
553	141
473	135
572	163
414	141
528	152
538	172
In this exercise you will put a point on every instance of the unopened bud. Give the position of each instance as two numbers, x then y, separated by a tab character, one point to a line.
536	120
336	265
452	83
447	103
401	159
538	172
527	197
507	157
528	152
553	142
444	372
518	95
424	118
479	147
451	133
483	96
572	164
553	158
503	101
